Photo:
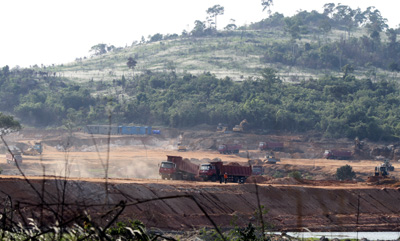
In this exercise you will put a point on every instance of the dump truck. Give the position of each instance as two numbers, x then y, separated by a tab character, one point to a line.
274	146
34	150
229	148
338	154
181	147
178	168
215	171
14	157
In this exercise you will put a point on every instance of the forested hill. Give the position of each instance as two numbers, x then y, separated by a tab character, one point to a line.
327	72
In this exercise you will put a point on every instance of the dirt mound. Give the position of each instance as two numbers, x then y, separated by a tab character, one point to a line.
233	164
258	179
285	180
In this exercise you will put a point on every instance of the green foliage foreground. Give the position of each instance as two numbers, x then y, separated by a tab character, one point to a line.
335	106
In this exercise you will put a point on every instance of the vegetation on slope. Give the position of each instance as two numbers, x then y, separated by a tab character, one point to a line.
306	44
336	106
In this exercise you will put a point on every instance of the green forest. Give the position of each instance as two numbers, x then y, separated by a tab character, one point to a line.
352	102
336	106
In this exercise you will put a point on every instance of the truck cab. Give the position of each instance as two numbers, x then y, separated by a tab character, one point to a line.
38	147
208	172
167	170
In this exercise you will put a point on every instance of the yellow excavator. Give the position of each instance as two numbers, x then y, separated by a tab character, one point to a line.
239	128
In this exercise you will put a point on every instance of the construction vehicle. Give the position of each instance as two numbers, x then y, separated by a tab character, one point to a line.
14	156
34	150
381	173
388	165
181	147
270	159
229	148
257	170
239	128
338	154
381	170
221	128
275	146
215	171
177	168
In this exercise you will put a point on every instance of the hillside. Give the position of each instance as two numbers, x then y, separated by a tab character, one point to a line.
232	53
310	52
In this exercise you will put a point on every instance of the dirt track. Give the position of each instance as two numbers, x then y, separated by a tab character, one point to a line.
133	169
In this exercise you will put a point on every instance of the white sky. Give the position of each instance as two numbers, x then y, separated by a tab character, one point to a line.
58	31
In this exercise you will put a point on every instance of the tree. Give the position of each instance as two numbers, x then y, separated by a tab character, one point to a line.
131	63
345	173
376	23
328	9
156	37
198	29
7	122
267	5
231	25
99	49
214	12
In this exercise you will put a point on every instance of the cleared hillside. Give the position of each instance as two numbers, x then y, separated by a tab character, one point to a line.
235	54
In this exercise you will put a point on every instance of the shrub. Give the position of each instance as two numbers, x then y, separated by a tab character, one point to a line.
295	174
345	173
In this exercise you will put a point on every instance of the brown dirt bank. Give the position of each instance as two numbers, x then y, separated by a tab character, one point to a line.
291	207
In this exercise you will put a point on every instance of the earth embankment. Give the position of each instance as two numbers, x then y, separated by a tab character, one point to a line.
180	205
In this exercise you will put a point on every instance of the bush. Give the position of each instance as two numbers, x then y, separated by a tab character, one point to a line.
295	174
345	173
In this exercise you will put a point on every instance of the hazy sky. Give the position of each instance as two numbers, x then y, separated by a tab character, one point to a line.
58	31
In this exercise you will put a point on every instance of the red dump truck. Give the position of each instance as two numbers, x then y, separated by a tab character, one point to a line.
338	154
177	168
275	146
215	171
229	148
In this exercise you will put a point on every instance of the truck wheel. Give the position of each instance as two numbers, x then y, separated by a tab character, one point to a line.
213	178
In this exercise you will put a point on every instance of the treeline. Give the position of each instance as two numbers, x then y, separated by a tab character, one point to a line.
336	107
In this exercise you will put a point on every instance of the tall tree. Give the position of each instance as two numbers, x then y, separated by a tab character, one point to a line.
267	5
99	49
214	12
375	23
131	63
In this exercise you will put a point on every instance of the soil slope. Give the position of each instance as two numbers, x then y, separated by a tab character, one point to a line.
342	207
